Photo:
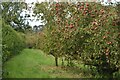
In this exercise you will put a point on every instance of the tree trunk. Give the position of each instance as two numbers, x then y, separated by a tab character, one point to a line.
56	61
68	64
62	62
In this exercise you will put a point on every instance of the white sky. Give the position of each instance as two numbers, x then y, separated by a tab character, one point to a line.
30	1
30	12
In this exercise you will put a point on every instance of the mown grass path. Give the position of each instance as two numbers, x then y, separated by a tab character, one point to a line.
32	63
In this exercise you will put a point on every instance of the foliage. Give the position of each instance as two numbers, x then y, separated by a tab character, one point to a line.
82	31
12	42
0	35
31	39
11	13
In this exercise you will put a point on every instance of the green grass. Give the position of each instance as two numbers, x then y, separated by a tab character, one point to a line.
32	63
27	64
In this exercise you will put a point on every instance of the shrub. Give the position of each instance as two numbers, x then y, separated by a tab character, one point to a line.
12	42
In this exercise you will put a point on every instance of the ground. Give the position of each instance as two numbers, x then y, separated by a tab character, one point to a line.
33	63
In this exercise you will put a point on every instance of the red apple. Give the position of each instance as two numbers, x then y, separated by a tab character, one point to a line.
104	37
81	7
71	25
87	4
57	4
109	42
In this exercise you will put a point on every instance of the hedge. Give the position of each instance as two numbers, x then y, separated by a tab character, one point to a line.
12	42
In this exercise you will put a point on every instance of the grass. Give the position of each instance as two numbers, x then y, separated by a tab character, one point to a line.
32	63
27	64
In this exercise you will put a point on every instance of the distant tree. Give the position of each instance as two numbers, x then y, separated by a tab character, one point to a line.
11	14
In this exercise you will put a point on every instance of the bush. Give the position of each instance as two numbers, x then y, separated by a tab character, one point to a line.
12	42
0	34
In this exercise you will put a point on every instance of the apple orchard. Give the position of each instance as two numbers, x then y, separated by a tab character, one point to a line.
86	32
